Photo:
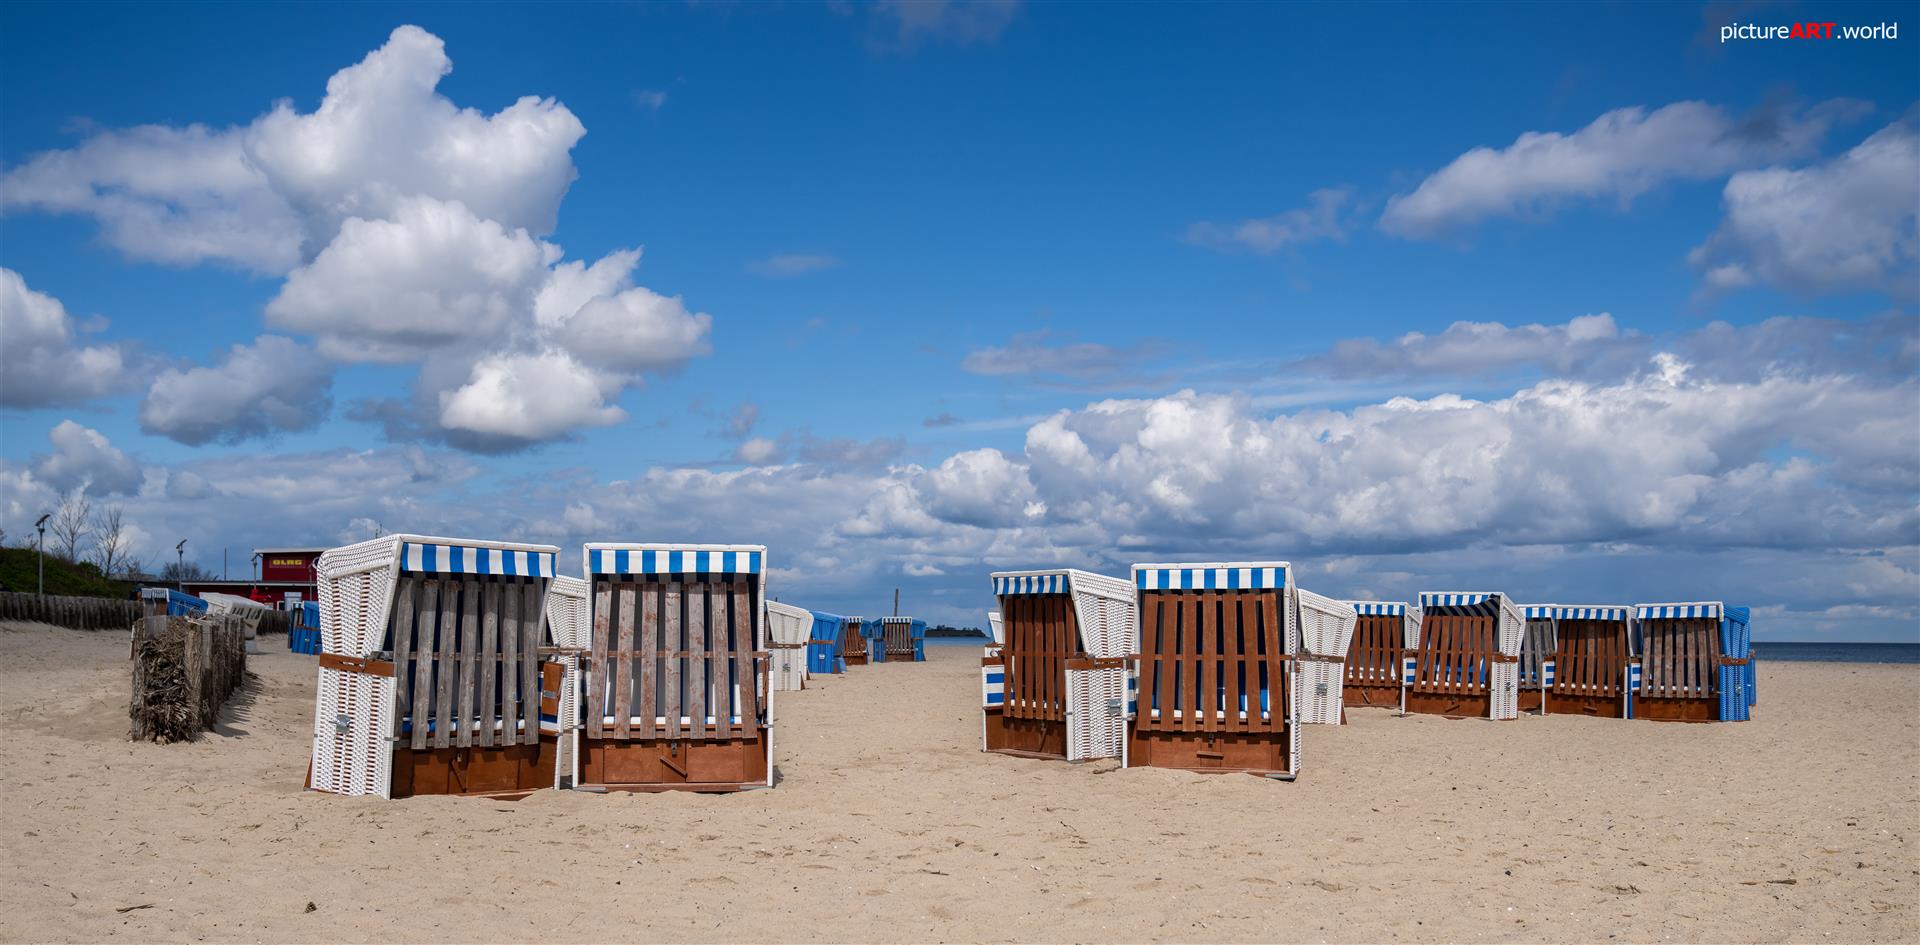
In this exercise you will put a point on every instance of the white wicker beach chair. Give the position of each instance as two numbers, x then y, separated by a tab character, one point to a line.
1326	630
358	725
788	628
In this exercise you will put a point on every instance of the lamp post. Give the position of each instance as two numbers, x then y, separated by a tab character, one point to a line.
40	546
180	561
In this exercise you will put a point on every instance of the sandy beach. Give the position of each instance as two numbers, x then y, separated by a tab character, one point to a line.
889	824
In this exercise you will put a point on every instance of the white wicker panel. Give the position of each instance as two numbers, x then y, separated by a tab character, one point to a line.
353	712
1513	626
1326	625
1293	723
1104	607
993	626
569	614
1320	692
1413	626
788	624
351	753
788	668
569	707
1096	713
1503	685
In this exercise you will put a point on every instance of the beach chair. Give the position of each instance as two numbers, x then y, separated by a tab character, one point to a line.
1326	633
1215	670
853	641
903	640
1586	672
430	668
677	685
1385	634
1695	662
1061	665
823	645
788	629
1467	661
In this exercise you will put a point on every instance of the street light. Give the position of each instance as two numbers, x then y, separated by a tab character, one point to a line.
180	561
41	546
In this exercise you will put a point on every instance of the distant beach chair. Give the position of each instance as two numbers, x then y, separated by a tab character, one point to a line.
677	677
1467	661
1379	660
902	640
1592	648
823	645
1535	668
430	668
1695	662
1055	685
788	629
853	642
1326	633
1215	673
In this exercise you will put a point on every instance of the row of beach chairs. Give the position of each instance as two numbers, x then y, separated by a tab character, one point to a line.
1215	667
457	666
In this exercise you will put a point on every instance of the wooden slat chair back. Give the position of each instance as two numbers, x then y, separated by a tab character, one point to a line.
676	694
853	642
1373	660
897	634
466	656
1592	650
676	659
1215	669
1042	635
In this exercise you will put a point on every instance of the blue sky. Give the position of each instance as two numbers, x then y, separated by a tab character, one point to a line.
926	290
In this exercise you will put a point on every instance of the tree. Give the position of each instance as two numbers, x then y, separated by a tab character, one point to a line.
185	571
110	543
71	524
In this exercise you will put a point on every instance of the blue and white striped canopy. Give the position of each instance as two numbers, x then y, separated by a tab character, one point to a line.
1231	576
1448	599
1577	612
1709	609
1373	608
434	558
1029	582
675	559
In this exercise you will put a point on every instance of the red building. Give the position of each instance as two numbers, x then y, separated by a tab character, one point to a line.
283	571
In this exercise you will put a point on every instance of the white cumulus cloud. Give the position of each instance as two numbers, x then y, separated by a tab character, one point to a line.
83	458
275	385
1846	224
1619	156
40	362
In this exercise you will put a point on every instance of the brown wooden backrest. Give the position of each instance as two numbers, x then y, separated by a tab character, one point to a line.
1373	658
1207	659
899	637
1454	652
1041	636
675	659
1591	659
1680	658
852	642
466	660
